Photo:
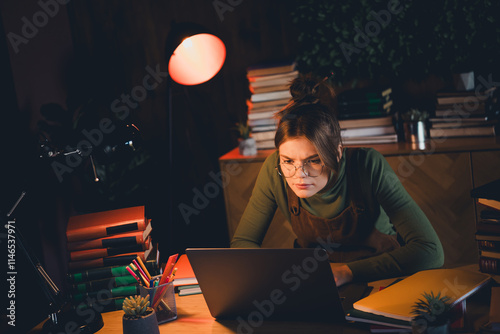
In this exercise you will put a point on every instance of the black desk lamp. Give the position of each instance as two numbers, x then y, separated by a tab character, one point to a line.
194	56
62	315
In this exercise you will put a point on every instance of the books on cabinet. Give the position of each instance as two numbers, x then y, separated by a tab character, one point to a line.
365	116
464	114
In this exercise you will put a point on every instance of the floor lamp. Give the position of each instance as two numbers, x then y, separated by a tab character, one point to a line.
194	56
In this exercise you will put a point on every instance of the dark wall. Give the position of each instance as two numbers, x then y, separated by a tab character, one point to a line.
62	81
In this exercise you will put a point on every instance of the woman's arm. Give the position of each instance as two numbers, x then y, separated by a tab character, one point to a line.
422	249
260	209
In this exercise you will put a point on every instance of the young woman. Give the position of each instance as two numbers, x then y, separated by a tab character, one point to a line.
348	201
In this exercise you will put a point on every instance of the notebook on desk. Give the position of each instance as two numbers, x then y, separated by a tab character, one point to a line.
288	284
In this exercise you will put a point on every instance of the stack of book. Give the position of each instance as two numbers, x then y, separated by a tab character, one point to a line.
365	116
185	281
488	226
100	246
463	114
269	86
391	308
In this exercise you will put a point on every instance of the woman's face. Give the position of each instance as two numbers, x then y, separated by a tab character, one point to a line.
297	152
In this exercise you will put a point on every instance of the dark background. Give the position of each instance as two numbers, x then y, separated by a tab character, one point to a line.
79	61
64	78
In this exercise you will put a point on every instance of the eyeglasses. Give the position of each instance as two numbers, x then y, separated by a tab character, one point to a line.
311	168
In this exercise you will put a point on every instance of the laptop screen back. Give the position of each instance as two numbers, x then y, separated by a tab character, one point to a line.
277	283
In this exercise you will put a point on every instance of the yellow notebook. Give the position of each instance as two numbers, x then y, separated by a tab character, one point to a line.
397	300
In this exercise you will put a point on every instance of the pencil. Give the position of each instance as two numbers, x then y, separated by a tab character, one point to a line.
144	267
133	274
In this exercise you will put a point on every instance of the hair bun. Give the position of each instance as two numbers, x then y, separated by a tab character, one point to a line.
305	88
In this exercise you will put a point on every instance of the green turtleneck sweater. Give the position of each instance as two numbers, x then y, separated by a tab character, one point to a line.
380	188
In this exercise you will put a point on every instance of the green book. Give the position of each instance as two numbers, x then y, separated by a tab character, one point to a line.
103	305
108	272
106	283
104	294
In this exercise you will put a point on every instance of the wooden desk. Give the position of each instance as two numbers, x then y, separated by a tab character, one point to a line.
194	317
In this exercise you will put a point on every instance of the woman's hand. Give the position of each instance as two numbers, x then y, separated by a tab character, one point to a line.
341	273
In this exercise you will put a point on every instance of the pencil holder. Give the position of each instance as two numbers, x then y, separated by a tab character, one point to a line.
162	299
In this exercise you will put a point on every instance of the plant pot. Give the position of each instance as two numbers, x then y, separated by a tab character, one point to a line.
416	133
247	146
147	324
422	327
463	81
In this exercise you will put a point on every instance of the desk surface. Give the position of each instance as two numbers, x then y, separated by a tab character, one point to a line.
194	317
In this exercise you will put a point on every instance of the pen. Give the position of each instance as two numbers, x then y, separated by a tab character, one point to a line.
168	268
143	267
140	274
143	274
171	277
133	274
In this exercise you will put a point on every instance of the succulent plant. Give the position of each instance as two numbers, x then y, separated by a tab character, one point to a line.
136	306
433	309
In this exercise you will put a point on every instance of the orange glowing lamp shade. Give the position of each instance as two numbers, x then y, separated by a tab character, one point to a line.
197	59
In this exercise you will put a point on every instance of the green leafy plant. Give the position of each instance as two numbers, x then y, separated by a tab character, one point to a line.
136	306
432	310
415	115
377	40
243	129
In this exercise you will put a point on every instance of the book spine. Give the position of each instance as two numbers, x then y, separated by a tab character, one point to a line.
107	283
101	231
114	292
489	265
103	305
89	254
490	214
483	227
105	261
108	272
488	245
119	240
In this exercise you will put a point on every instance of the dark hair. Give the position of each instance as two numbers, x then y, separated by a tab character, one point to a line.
310	114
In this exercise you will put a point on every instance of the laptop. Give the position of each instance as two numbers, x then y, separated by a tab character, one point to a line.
274	284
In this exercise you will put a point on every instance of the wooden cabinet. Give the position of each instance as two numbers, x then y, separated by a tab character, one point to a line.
438	178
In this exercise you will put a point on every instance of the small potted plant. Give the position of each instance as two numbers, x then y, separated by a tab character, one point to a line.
139	317
431	314
415	125
246	144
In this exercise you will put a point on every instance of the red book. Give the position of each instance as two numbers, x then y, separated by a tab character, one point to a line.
107	223
95	253
116	260
185	274
114	241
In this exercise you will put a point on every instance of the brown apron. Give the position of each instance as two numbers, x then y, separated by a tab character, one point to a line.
352	234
